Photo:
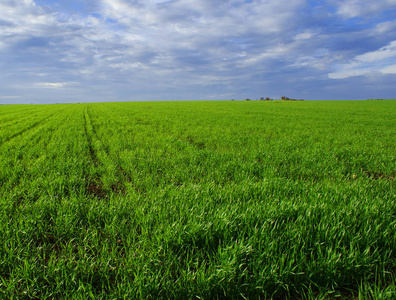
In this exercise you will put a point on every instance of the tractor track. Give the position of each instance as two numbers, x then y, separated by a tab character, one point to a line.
96	183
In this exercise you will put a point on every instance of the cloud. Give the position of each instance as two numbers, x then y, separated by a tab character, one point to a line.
9	97
360	8
186	39
381	61
389	69
179	49
53	85
306	35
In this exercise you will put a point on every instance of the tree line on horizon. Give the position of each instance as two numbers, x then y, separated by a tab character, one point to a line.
283	98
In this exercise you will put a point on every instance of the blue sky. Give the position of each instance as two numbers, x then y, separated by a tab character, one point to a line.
140	50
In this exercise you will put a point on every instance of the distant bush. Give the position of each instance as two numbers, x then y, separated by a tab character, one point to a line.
283	98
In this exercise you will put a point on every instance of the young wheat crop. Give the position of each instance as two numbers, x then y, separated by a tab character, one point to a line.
187	200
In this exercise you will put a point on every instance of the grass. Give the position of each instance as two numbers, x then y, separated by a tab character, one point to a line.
198	200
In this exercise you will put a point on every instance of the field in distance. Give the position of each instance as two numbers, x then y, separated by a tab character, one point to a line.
198	200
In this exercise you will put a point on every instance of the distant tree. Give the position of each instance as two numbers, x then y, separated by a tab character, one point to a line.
287	98
247	99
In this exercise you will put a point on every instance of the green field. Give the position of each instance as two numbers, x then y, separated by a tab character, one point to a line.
198	200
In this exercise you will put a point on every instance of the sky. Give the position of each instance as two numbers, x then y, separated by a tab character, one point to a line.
155	50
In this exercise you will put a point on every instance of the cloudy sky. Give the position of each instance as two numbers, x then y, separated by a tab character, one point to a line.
126	50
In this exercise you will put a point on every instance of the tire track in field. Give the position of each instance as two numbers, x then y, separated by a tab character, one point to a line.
119	167
30	127
94	184
119	187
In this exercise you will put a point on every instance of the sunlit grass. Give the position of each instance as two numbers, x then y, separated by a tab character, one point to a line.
188	200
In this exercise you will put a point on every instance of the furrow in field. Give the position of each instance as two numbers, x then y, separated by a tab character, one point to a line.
46	161
113	175
19	115
66	154
16	118
95	185
49	130
38	136
146	147
26	140
88	133
126	141
27	128
10	110
27	146
109	155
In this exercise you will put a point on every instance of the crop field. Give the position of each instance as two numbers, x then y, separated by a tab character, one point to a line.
198	200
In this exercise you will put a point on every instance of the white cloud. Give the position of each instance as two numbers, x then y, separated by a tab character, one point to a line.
320	59
358	8
389	69
54	85
174	21
385	27
306	35
9	97
382	61
20	14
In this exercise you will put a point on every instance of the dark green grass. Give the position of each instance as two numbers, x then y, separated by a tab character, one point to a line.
198	200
